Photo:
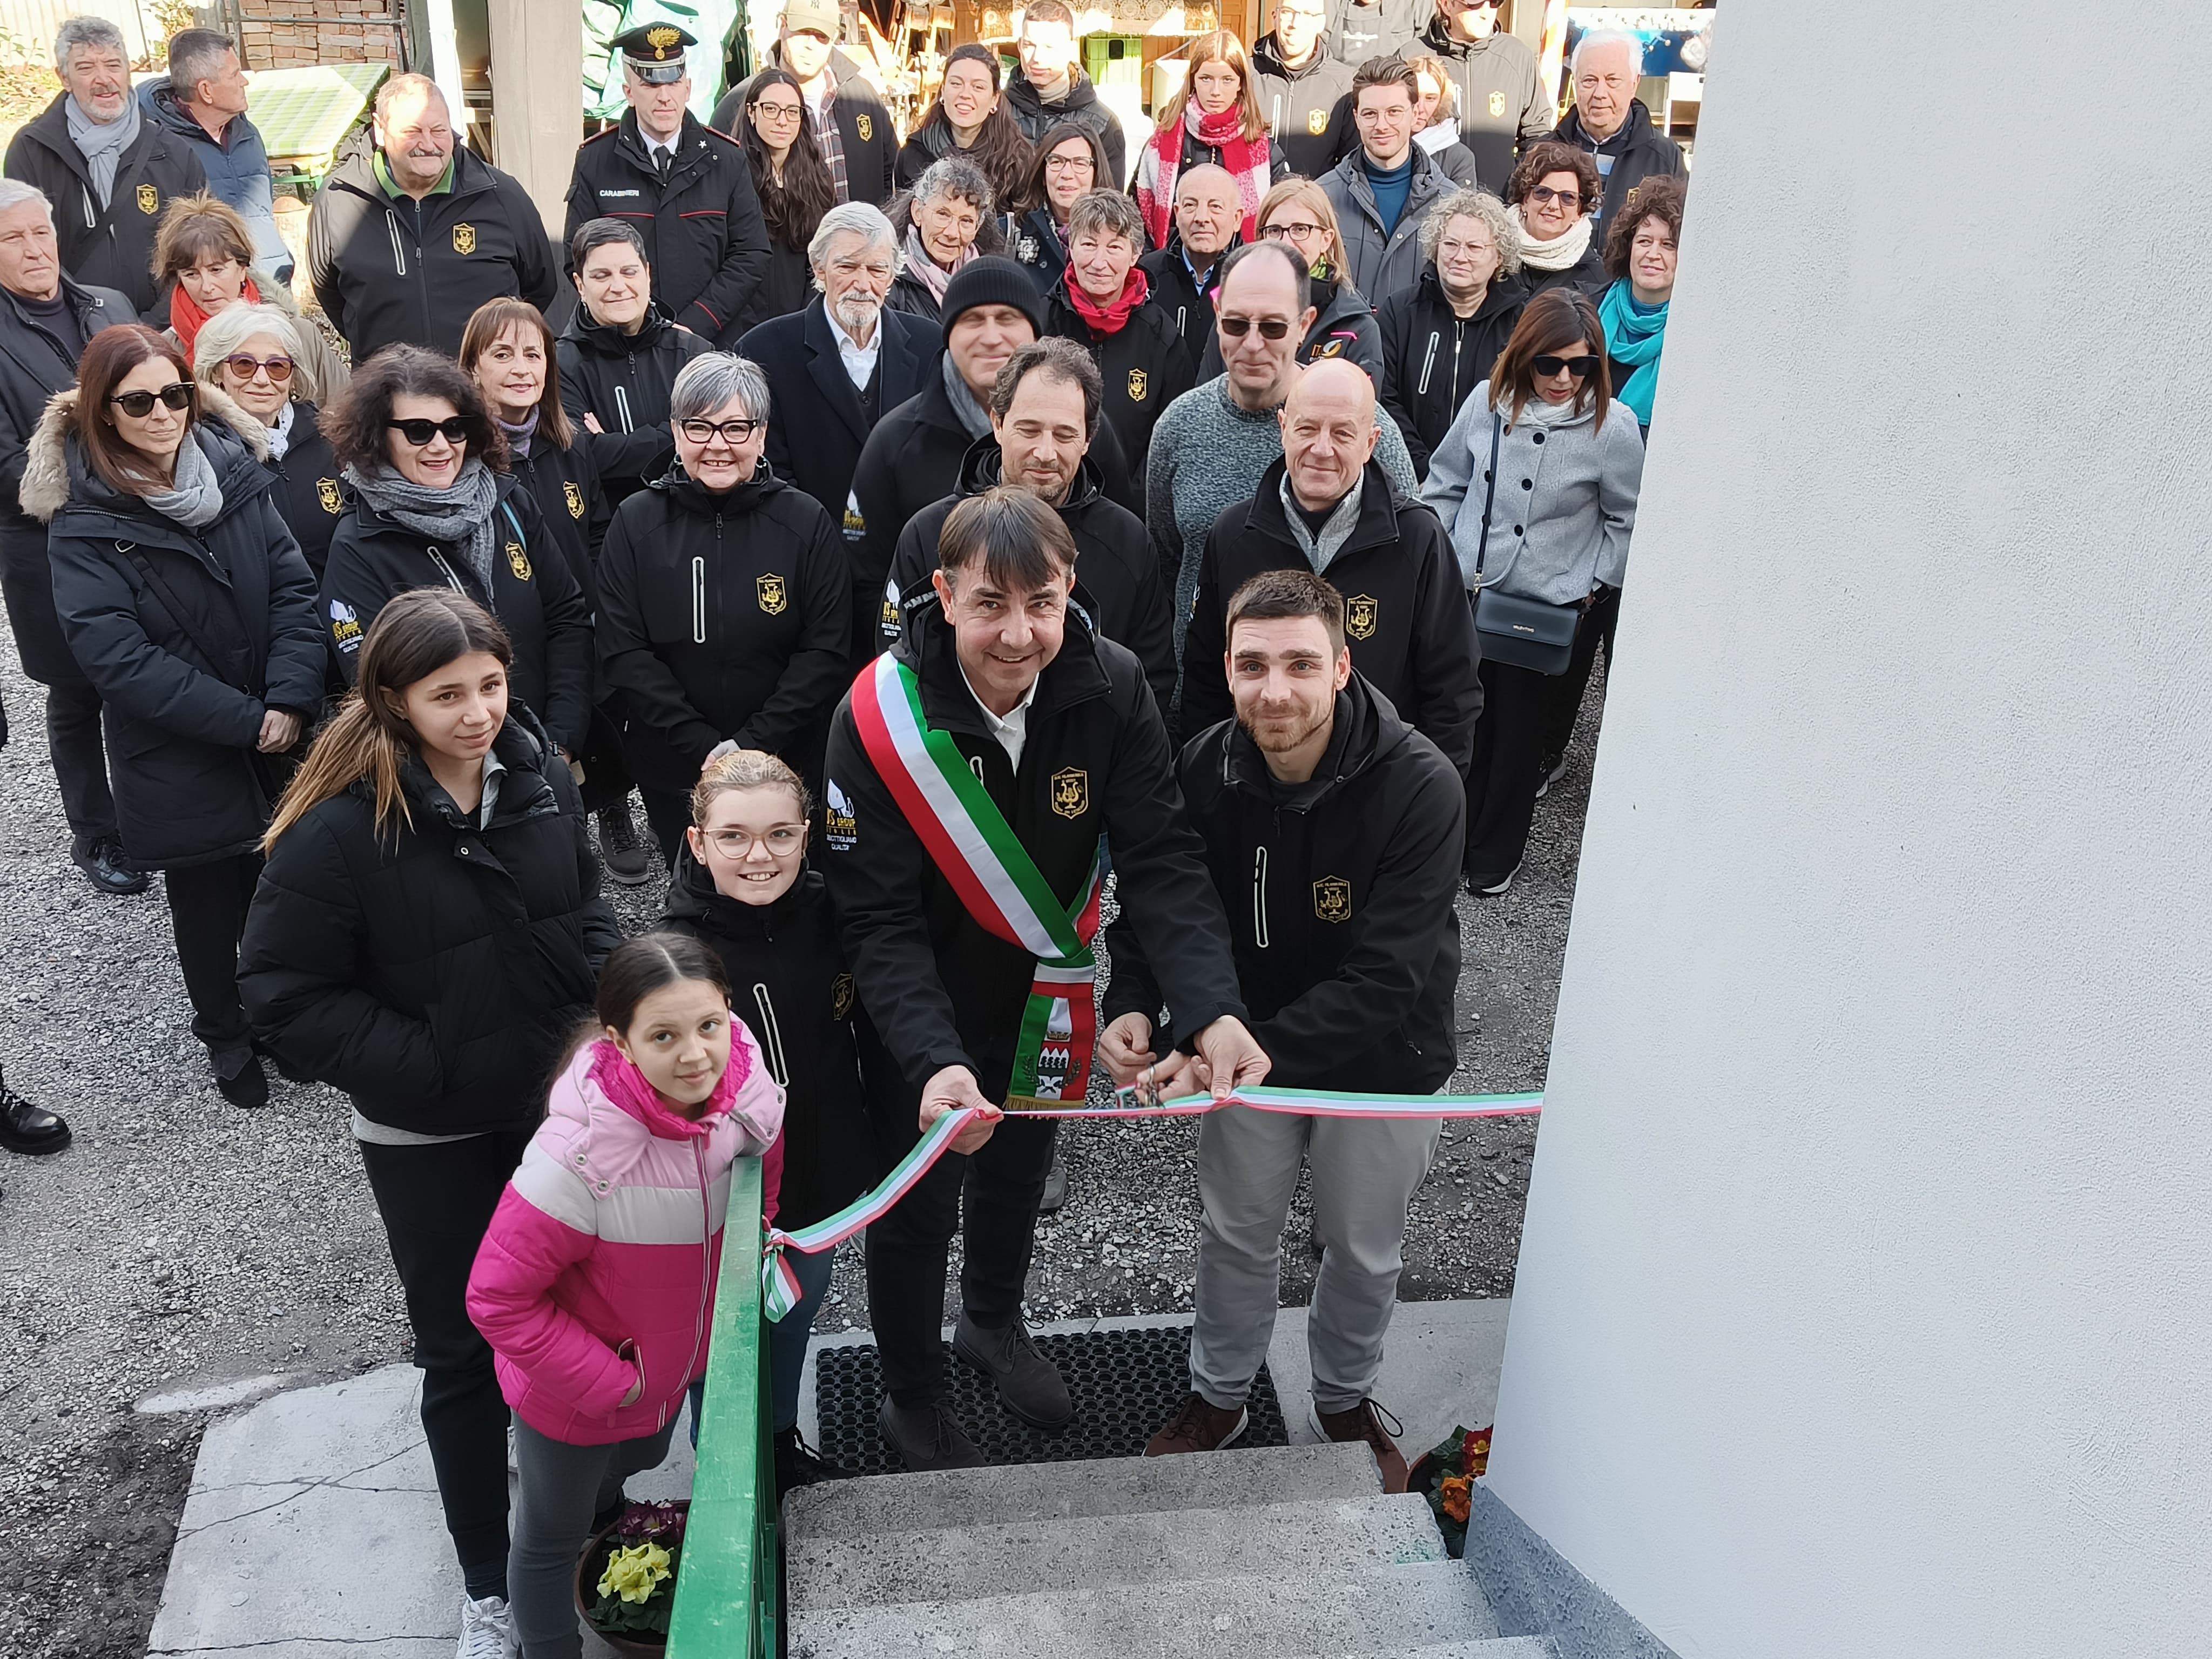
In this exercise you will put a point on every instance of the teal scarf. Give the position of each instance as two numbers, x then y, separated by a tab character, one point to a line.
1633	335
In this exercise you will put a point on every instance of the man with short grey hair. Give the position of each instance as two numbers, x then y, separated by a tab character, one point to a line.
1610	122
108	171
201	99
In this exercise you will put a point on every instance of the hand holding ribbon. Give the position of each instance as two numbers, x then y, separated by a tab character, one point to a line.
955	1090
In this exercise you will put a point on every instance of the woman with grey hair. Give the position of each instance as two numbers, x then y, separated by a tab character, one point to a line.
1441	336
725	601
942	224
252	353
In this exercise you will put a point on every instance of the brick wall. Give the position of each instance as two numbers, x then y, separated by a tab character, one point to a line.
268	44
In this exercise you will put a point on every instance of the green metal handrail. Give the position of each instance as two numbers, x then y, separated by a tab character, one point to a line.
725	1587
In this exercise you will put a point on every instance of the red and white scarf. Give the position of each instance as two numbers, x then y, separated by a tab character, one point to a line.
1247	159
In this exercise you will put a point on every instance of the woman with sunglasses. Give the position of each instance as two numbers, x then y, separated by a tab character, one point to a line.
1548	520
252	354
725	601
204	264
185	598
1298	215
795	190
1069	159
1551	197
434	506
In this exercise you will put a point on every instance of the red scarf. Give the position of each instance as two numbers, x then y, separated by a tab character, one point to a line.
185	315
1109	319
1247	159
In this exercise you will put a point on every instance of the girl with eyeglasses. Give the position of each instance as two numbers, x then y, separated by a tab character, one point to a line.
1069	159
744	889
203	265
434	505
1546	520
188	604
1297	215
1551	197
726	601
795	189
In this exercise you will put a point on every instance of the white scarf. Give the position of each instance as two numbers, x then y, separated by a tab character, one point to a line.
280	435
1561	253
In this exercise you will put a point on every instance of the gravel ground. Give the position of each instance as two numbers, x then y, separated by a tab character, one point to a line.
181	1242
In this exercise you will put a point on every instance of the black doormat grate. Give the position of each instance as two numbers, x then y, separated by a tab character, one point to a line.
1125	1384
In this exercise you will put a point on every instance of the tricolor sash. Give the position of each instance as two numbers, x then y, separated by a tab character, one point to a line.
1000	885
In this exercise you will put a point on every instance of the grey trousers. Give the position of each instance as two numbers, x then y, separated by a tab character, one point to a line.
1364	1176
559	1489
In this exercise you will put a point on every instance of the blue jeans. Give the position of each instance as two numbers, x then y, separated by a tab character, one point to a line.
787	1340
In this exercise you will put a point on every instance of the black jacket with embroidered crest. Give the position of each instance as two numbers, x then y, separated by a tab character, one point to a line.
863	125
389	269
434	971
534	593
574	508
191	636
939	988
1308	110
1432	358
1407	620
111	246
308	491
701	225
1339	897
789	984
1145	367
1117	578
625	381
723	617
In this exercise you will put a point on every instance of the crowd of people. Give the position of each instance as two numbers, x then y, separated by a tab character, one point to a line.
924	533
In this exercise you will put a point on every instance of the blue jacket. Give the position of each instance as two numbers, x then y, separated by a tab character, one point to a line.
237	167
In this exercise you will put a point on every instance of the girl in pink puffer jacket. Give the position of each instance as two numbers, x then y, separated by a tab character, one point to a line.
595	1282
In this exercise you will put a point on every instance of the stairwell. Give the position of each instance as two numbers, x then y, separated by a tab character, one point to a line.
1279	1552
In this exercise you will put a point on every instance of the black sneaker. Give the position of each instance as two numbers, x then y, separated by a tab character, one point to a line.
31	1130
240	1079
620	850
1492	886
1554	768
798	1464
927	1437
1030	1384
105	866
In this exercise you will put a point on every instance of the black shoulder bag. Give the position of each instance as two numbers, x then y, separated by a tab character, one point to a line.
1532	633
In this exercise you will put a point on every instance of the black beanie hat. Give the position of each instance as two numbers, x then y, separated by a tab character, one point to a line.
994	280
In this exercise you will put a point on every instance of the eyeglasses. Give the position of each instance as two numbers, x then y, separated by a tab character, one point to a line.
245	367
731	433
776	111
1271	328
139	404
1299	231
1581	367
1566	198
781	841
1068	164
419	433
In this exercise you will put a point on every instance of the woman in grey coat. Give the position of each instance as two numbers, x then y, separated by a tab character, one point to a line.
1558	517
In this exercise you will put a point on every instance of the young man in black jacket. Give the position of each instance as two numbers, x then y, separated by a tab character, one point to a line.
1332	833
1326	506
1044	415
1001	684
408	238
687	189
1304	89
1049	86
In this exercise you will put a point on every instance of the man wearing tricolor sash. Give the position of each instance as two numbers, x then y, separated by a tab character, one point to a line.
1332	835
976	772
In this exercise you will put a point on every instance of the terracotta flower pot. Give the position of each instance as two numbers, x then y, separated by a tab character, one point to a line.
589	1566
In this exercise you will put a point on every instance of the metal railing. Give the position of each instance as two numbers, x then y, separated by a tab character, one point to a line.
726	1587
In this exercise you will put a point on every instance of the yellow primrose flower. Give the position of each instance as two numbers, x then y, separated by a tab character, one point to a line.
633	1573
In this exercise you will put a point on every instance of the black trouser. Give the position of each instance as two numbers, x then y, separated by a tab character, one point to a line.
1598	628
435	1202
668	814
991	1197
1502	779
207	911
80	760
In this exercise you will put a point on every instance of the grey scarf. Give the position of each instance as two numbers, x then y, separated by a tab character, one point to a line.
1335	529
194	498
459	514
974	419
103	146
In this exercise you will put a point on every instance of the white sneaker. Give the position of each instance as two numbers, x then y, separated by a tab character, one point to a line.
487	1629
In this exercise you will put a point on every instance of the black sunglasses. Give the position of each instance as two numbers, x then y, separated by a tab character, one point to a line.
139	404
1271	328
1581	367
419	433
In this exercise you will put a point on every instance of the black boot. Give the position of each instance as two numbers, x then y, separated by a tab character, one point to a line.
240	1079
28	1129
105	866
798	1464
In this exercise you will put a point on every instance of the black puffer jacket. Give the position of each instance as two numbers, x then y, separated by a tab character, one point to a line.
1144	365
309	493
789	985
1343	327
532	593
1117	577
1432	358
433	969
1339	897
625	380
110	247
723	617
191	636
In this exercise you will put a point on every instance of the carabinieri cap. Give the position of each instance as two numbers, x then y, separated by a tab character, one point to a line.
654	52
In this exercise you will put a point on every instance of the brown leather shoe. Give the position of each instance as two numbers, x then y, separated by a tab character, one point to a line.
1197	1427
1364	1422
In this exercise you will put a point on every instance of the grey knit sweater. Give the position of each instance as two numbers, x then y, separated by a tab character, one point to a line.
1208	454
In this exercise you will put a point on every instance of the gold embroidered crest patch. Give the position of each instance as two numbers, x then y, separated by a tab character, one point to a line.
865	127
518	562
841	996
464	239
575	494
1360	613
1070	793
773	596
149	199
1316	122
1333	899
328	496
1137	384
1496	103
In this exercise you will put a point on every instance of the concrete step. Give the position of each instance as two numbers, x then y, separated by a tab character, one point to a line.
1497	1647
1058	1492
1317	1539
1362	1611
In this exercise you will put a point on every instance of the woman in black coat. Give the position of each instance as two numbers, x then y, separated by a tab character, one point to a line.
427	936
1068	160
619	355
253	353
434	506
795	190
1442	335
725	601
187	603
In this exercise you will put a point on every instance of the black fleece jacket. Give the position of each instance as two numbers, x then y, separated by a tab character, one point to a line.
1339	897
110	247
1432	358
625	380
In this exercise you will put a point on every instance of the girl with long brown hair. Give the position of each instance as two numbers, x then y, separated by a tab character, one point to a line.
970	118
1214	119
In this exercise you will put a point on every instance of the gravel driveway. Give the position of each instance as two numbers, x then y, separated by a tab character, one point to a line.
181	1242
